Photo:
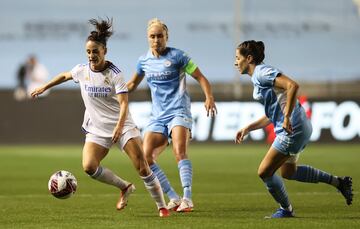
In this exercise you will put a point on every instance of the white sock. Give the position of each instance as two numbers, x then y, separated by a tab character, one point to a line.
152	184
108	177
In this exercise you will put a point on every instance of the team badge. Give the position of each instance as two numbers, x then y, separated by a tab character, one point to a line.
87	78
167	63
107	81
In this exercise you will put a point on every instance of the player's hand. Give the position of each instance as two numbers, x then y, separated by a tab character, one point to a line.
287	125
37	92
240	135
116	134
210	107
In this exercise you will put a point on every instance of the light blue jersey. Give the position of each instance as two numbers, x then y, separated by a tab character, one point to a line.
274	101
166	78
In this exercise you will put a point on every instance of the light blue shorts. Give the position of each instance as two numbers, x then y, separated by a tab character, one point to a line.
165	126
291	144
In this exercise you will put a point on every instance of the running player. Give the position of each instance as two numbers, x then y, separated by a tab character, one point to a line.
277	92
165	69
106	119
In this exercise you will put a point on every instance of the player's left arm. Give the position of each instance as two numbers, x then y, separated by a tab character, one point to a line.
124	107
284	82
206	87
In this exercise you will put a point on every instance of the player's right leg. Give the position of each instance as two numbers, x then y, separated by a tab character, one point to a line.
154	144
274	184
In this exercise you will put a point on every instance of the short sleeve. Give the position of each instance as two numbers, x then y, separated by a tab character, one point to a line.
182	58
267	75
75	73
119	84
139	69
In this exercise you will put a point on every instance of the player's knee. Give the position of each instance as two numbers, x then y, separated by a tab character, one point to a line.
89	169
287	174
264	173
180	155
143	171
149	158
288	170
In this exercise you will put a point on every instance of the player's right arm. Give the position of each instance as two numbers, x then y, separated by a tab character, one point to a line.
134	82
59	79
260	123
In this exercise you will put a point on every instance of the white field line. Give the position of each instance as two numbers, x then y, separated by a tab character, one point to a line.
197	194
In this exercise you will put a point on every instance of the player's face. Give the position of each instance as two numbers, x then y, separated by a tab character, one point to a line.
157	38
241	63
96	55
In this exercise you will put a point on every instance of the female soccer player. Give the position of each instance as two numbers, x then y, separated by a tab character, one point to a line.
164	68
106	119
277	92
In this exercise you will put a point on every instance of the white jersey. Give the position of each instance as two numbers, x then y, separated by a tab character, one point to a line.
99	92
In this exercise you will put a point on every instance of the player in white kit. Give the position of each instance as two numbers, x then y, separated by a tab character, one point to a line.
107	120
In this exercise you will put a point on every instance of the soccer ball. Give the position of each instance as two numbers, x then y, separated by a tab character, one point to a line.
62	184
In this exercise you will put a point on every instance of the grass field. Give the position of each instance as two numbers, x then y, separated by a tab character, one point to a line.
227	191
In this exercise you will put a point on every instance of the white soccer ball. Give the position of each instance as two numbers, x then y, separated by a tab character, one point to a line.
62	184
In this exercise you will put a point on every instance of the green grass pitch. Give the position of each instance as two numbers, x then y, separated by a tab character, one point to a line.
226	190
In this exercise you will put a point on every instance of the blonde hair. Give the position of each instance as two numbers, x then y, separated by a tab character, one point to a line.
156	21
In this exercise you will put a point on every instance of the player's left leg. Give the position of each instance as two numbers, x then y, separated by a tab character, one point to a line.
268	166
180	138
308	174
133	148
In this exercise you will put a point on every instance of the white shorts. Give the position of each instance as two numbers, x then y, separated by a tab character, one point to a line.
106	142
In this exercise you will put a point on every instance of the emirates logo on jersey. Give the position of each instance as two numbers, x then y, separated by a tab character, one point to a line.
167	63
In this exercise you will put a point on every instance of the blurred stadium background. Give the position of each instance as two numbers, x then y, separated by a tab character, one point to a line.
315	42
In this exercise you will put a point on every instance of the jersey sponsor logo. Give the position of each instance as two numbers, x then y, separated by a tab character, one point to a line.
167	63
158	75
97	92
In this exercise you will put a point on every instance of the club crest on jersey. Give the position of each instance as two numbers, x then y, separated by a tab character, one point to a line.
167	63
107	81
87	78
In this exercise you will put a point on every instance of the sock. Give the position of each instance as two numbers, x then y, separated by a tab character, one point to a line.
276	187
152	184
108	177
306	173
185	169
290	209
164	182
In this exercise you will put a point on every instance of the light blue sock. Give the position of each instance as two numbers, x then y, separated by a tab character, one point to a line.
185	170
276	187
164	182
306	173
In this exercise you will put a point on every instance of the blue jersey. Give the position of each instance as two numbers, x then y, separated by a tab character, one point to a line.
274	99
166	78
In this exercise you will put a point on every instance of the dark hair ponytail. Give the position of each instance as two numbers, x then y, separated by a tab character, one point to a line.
103	30
254	48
